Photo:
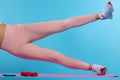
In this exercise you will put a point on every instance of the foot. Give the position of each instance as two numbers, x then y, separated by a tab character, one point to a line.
107	12
100	70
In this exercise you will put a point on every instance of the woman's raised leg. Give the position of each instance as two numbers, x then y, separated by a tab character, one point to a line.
39	30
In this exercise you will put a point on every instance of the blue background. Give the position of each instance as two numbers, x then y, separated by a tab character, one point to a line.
97	42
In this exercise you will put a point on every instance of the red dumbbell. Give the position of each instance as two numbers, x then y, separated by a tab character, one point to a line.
34	74
29	73
23	73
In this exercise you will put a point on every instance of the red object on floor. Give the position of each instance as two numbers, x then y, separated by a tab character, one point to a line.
28	73
22	73
35	74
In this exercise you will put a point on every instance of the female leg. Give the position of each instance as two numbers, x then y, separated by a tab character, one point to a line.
39	30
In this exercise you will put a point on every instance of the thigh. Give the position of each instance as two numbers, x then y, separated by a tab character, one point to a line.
42	29
14	38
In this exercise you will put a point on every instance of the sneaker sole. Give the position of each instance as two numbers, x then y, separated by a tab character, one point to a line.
103	71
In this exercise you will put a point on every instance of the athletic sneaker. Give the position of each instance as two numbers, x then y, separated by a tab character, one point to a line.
107	12
100	70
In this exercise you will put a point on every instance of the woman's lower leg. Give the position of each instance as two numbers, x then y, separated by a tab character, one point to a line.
75	64
69	62
81	20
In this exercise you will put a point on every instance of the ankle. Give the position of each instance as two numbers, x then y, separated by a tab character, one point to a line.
97	16
90	67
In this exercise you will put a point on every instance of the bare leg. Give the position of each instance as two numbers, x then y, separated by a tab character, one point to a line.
37	31
32	52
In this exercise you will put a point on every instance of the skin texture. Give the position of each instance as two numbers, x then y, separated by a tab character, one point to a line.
19	37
